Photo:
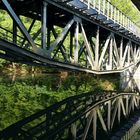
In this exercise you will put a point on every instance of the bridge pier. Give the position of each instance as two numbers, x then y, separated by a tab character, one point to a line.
129	79
137	77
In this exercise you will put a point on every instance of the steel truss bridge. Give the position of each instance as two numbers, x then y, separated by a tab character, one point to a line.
83	117
85	35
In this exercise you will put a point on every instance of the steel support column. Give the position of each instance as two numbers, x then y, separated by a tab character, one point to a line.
97	49
44	24
76	49
14	32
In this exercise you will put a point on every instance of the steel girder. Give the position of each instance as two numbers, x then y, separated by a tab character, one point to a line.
79	44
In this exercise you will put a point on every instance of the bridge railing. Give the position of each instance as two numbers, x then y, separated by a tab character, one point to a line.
111	12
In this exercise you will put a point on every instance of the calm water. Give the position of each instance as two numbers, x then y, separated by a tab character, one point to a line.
21	96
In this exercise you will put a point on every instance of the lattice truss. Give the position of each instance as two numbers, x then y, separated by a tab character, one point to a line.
74	44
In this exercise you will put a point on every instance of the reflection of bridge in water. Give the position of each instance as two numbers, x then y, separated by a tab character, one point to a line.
84	35
86	116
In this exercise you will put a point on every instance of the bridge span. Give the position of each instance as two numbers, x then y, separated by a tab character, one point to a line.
85	35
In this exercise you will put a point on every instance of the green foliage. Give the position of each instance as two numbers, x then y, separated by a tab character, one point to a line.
129	9
25	96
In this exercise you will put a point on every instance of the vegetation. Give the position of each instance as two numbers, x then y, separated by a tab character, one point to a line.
25	96
129	9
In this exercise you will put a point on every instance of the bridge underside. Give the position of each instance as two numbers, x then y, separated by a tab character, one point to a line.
67	34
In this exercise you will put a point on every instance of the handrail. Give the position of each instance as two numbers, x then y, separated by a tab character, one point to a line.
112	12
